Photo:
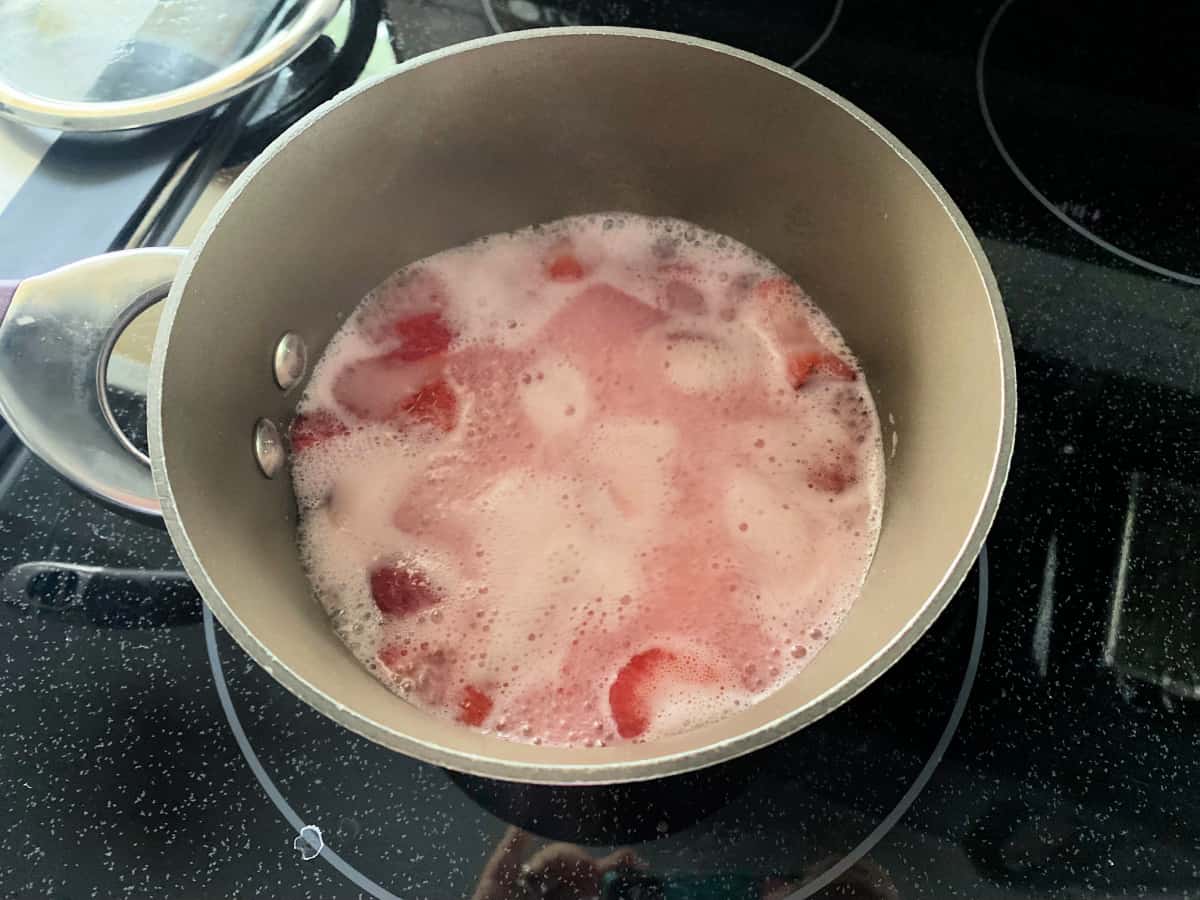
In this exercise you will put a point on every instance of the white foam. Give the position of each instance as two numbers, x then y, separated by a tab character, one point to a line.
555	395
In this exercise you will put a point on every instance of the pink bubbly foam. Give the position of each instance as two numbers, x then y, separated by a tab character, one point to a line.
606	479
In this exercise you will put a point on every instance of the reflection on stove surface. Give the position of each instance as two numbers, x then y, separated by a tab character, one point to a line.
517	870
786	33
1089	103
1154	619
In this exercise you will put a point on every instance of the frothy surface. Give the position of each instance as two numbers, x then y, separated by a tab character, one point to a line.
606	479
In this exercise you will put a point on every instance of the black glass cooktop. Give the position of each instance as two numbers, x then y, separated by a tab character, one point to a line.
1042	739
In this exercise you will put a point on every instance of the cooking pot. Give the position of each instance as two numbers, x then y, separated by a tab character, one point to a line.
485	137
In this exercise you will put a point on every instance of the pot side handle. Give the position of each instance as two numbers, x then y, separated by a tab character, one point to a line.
57	332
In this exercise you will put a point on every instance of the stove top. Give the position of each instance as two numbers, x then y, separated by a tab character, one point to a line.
1039	741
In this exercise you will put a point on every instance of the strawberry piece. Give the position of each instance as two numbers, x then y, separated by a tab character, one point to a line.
383	318
435	404
474	706
425	672
309	429
564	267
778	305
394	657
802	366
777	289
387	388
423	335
399	591
833	477
375	388
627	695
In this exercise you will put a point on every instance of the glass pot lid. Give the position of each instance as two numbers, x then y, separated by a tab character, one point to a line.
109	65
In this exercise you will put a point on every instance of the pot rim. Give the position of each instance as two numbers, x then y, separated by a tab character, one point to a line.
655	766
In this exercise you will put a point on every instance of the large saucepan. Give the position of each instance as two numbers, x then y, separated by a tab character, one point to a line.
489	136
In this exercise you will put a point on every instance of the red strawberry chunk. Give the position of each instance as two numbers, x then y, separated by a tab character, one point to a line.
778	305
424	335
435	404
474	706
777	293
399	591
835	476
564	267
425	672
375	388
394	657
627	697
802	366
309	429
386	388
418	289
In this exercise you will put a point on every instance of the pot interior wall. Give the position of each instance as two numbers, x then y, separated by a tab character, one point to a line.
510	133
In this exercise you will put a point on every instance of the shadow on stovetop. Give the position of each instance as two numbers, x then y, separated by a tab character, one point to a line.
102	597
585	815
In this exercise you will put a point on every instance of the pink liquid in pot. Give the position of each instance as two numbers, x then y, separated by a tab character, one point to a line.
607	479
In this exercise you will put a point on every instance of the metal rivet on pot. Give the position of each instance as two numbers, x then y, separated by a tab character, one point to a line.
268	447
291	360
